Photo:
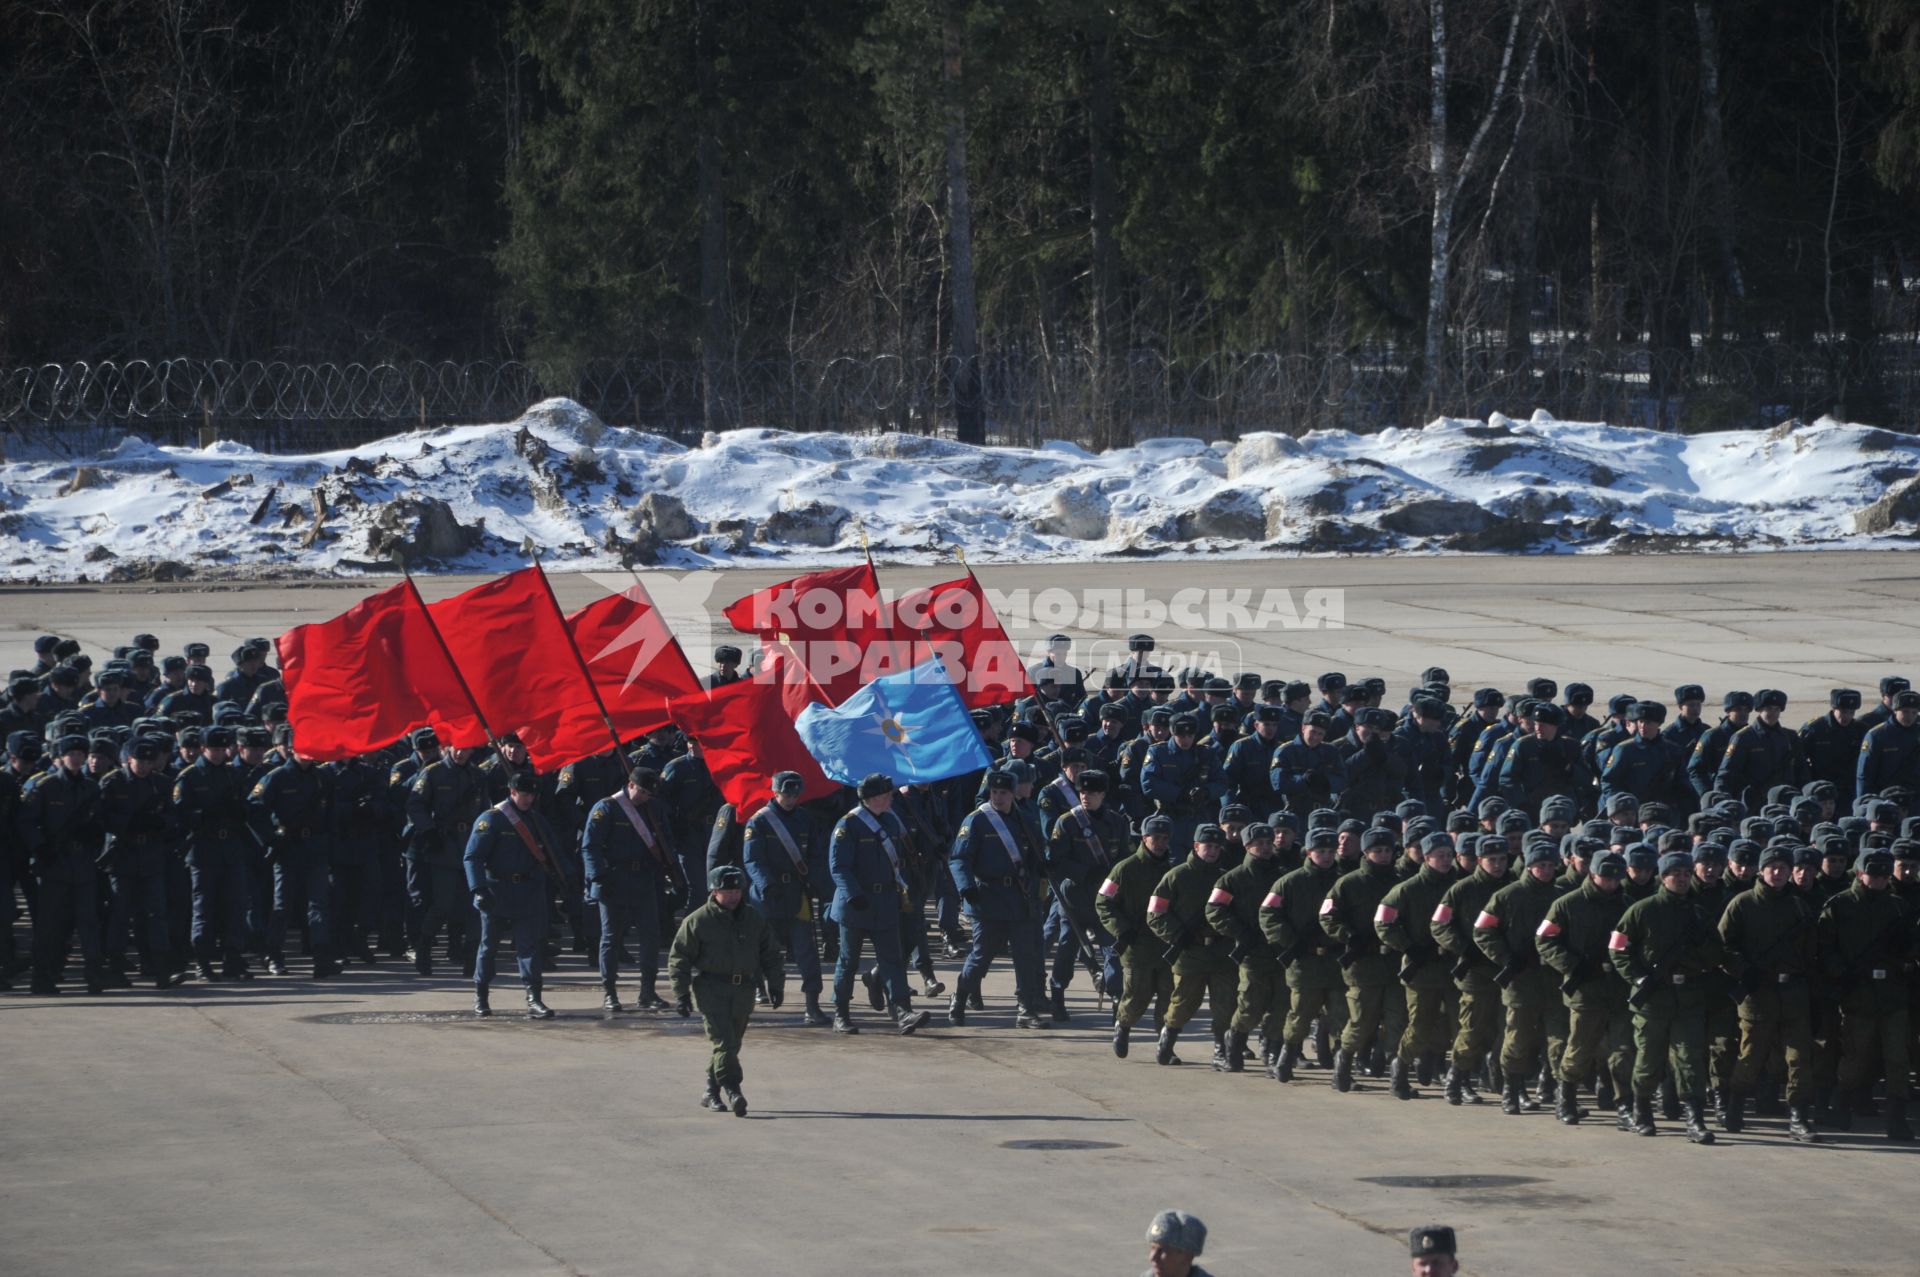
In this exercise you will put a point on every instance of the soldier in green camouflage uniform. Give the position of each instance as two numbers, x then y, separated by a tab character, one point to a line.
1290	920
1866	943
1404	923
1233	911
1536	1017
722	952
1177	913
1376	1008
1480	1013
1573	941
1121	906
1768	933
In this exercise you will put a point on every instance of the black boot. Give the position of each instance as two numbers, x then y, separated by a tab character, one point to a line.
536	1009
1897	1127
1323	1049
1800	1124
95	981
843	1022
1697	1132
1122	1033
1549	1092
731	1097
1838	1113
1603	1094
1236	1052
929	986
1400	1084
1283	1067
205	971
1669	1101
957	1008
1057	1004
610	999
1343	1070
876	996
1425	1074
1510	1098
276	965
481	1007
812	1015
1568	1108
1165	1054
1733	1112
974	1001
906	1019
1623	1117
1456	1087
1643	1116
649	999
711	1100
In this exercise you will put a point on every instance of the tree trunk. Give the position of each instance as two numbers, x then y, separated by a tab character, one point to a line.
1714	145
1443	201
714	408
1102	200
969	422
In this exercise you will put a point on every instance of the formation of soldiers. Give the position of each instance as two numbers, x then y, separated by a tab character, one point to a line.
1519	896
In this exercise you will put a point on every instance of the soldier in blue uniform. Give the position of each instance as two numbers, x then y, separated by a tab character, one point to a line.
210	803
623	856
787	878
136	813
1084	844
998	864
1831	743
359	849
59	827
1544	764
1762	754
864	858
1309	772
1158	728
1704	767
249	675
726	666
1249	763
443	802
1890	688
1647	766
1890	751
690	798
1182	780
290	816
508	857
1376	765
196	698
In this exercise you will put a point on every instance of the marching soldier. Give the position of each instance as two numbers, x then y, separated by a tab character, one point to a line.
1506	931
1866	944
59	827
507	860
1736	708
1290	920
1572	940
1768	934
787	874
445	798
210	804
1375	1010
722	951
1084	845
289	815
1177	914
623	866
1890	751
1182	778
1233	911
998	866
1122	909
1404	923
864	861
1472	971
136	815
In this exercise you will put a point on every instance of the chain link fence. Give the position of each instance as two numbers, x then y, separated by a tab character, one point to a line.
285	406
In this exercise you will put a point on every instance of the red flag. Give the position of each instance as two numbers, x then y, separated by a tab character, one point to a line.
834	620
956	621
633	658
747	735
361	681
510	641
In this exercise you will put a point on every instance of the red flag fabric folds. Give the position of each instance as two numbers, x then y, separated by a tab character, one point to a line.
747	735
633	658
956	620
361	681
835	621
510	641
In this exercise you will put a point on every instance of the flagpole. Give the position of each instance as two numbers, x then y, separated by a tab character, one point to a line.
472	700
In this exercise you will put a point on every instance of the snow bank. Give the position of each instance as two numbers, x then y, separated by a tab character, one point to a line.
594	496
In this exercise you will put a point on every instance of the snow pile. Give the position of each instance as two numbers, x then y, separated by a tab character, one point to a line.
594	496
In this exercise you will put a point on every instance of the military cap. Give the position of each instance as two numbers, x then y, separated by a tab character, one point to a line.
1835	845
1156	825
1909	828
1297	690
1258	831
1906	700
788	783
1284	820
1460	821
1436	842
1807	857
995	780
1269	714
1332	682
1883	813
45	644
1542	688
71	742
261	738
1430	1239
1319	718
1648	712
1906	849
1821	790
1770	698
190	737
1579	694
1466	842
1488	698
1844	698
24	745
726	878
1435	674
1217	685
1737	700
1540	851
423	738
1558	807
1055	640
1209	833
1024	731
1513	821
1023	772
111	678
1874	860
1689	692
1608	864
1675	862
147	750
875	784
1353	694
1743	851
1177	1230
1074	754
1619	703
1492	806
20	687
197	651
1409	808
1417	828
200	672
64	676
1387	820
1377	837
1427	706
218	736
1780	849
1641	856
1227	713
1710	853
1492	845
1112	712
1093	781
66	649
244	652
1804	809
1375	685
1880	840
982	718
648	778
1381	720
1322	839
1235	814
1889	686
1622	801
1898	794
1159	716
1074	730
523	782
172	664
1193	676
149	641
1547	712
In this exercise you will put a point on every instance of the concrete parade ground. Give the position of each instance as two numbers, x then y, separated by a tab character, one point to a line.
368	1125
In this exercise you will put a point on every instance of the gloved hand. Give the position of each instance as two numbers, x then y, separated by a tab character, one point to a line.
858	902
774	998
1240	951
684	1007
483	901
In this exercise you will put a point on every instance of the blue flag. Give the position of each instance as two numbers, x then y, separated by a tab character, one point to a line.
911	725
